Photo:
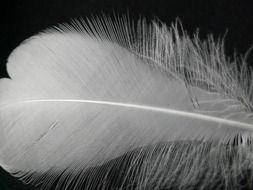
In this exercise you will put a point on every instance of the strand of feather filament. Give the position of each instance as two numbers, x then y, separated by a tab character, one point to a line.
150	108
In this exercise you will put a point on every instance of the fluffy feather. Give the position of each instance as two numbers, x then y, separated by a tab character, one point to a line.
93	98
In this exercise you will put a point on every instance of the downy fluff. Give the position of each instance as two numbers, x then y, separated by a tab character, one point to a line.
106	103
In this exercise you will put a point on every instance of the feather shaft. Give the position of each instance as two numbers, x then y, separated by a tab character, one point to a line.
199	116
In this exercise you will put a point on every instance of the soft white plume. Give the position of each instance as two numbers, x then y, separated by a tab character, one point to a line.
100	99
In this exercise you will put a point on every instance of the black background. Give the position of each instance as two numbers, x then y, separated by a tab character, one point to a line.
23	18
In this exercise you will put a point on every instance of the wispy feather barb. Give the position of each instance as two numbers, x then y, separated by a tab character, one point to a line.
102	104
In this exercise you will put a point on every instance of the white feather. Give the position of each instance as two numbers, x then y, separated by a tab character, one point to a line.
82	95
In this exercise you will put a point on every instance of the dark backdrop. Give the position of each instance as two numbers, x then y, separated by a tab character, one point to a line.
24	18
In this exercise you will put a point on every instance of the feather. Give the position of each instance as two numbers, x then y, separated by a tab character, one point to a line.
102	104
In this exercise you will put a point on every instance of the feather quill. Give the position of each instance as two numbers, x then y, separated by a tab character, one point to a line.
93	98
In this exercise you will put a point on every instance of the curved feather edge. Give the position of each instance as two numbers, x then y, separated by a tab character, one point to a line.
213	155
